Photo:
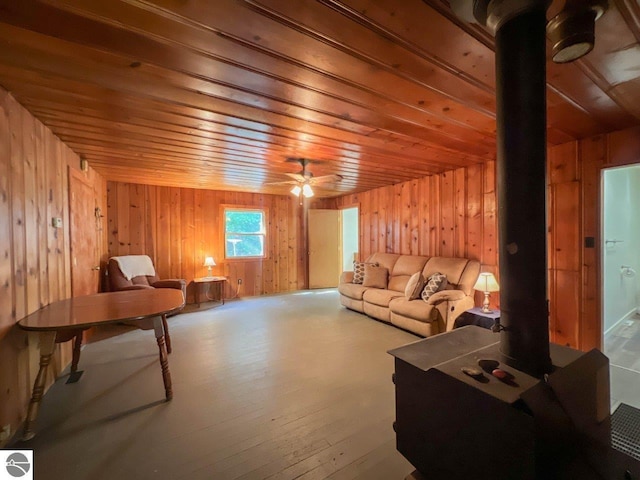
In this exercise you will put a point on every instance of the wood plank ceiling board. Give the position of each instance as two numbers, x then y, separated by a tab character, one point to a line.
219	94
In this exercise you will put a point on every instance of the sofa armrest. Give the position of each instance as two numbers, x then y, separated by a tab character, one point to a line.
177	283
346	277
135	287
446	295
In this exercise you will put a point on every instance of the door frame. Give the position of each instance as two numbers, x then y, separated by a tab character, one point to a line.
347	207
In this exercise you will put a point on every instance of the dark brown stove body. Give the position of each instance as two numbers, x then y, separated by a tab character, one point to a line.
452	426
551	419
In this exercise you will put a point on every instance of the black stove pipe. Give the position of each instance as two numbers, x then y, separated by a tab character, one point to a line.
521	189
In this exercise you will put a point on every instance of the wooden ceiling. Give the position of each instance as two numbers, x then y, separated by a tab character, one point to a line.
219	93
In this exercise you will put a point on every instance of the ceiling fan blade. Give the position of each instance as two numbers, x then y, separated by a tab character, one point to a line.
296	176
325	179
286	182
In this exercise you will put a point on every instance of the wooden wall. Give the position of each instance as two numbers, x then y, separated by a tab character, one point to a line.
178	227
35	267
574	216
452	214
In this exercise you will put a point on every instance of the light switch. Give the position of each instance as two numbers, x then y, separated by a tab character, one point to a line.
56	222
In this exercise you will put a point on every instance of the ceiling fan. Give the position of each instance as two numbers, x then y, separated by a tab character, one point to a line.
304	180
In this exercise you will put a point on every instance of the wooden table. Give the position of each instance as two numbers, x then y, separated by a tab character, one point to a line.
219	281
61	321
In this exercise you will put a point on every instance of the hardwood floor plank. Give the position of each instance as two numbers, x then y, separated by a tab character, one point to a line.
281	386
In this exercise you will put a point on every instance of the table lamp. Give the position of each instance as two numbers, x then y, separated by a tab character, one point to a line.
486	283
209	262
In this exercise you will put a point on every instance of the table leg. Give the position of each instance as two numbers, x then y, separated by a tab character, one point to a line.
77	344
167	337
164	362
221	286
47	344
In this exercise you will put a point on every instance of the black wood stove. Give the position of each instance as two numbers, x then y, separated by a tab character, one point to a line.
475	405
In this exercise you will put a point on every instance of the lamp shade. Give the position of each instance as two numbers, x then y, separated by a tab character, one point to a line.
296	190
209	262
486	283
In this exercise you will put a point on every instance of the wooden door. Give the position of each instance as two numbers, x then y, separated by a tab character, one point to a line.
85	264
324	248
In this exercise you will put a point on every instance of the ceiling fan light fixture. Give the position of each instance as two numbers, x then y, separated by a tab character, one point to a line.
307	191
296	190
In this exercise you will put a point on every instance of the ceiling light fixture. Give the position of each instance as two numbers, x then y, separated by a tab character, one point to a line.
307	191
296	190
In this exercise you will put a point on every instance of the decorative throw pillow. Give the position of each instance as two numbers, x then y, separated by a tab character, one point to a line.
436	282
414	286
375	276
358	270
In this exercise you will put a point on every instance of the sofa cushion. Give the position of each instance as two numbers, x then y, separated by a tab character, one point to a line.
436	282
386	260
415	309
406	266
375	277
352	290
453	268
358	271
414	286
380	297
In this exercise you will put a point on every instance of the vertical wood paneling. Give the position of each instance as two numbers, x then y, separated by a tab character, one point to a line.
574	197
31	212
623	147
566	231
123	223
43	220
365	223
176	225
136	216
163	258
460	205
374	222
435	214
447	214
593	152
473	212
35	267
490	221
6	241
18	211
185	225
423	215
405	218
414	219
452	214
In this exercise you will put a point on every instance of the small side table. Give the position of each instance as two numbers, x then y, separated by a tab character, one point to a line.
208	281
475	316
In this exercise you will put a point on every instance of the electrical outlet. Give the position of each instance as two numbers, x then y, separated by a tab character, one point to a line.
239	281
5	433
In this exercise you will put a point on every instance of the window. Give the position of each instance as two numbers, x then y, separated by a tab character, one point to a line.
244	232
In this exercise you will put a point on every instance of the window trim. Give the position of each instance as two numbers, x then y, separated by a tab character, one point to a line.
247	208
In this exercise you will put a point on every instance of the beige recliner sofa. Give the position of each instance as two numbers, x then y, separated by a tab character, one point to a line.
390	304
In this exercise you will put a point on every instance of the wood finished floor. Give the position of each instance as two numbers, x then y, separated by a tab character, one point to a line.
280	387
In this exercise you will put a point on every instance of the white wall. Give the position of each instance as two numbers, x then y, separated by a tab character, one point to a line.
349	237
621	201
